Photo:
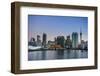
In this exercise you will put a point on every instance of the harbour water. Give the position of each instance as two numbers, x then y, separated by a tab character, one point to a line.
57	54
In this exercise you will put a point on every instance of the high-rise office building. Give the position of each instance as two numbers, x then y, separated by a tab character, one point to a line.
32	39
55	39
84	44
74	40
68	42
38	41
38	37
44	40
61	41
32	42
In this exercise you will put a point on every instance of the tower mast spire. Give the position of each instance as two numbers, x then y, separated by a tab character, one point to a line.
80	35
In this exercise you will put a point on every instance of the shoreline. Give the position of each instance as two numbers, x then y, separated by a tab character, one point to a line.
55	49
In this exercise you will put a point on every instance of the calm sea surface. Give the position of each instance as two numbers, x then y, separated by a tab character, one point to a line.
57	54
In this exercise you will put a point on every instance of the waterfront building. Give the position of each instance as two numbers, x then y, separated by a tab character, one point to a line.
68	42
55	47
32	42
61	41
55	39
50	43
44	40
84	44
74	40
38	41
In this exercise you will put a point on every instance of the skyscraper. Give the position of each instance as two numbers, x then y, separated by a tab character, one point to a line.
38	37
55	39
61	41
38	40
44	40
32	42
74	40
68	42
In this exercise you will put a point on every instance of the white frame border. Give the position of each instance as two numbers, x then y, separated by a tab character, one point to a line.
25	64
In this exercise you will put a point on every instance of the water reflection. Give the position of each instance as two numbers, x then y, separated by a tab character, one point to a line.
57	54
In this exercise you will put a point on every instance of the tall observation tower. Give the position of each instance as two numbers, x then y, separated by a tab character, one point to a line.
80	35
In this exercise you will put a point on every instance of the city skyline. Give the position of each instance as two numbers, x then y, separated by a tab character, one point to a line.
55	26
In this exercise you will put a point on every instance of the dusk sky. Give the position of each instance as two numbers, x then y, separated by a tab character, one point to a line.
55	26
